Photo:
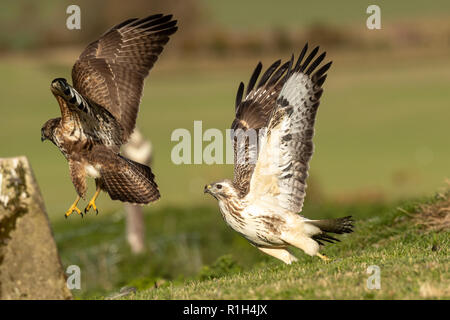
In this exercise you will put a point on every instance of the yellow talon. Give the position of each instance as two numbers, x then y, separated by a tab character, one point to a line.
91	203
324	258
73	208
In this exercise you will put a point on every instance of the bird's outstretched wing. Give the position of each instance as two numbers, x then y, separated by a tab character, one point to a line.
111	71
253	114
280	173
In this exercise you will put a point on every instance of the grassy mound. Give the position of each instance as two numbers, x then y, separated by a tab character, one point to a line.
413	260
191	254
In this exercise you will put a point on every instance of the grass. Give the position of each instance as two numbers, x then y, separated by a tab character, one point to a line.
192	254
181	244
414	264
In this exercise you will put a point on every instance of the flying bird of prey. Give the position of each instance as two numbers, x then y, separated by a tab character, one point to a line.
98	112
264	200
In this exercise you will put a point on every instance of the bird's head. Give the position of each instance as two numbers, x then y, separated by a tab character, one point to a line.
220	190
48	129
60	87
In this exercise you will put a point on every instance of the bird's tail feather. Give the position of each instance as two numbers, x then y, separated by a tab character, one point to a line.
338	226
130	181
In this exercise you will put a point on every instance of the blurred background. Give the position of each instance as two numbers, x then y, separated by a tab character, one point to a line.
382	132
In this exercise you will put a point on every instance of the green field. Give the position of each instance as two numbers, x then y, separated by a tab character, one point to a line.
413	265
292	14
191	254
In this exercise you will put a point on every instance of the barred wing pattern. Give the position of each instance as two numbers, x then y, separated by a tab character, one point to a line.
279	177
111	71
129	181
94	121
253	114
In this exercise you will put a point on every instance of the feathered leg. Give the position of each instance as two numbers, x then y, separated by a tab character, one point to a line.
78	178
305	243
279	253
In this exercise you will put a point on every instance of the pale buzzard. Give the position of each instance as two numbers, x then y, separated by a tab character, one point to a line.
263	201
98	113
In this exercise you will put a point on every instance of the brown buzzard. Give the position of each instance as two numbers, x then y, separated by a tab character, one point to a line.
98	113
263	201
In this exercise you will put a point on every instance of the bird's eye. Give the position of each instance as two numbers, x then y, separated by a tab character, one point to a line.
219	186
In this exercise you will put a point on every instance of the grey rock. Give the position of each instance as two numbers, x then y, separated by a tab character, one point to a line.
30	267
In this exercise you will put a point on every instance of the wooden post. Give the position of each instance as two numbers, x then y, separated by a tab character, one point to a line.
140	150
30	267
135	227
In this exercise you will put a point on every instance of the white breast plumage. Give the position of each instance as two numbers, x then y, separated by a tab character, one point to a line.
91	171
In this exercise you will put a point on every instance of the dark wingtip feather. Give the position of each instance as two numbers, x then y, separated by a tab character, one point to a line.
157	17
291	62
315	63
321	81
254	77
268	73
277	75
146	19
161	26
239	94
289	69
300	58
322	70
308	59
155	22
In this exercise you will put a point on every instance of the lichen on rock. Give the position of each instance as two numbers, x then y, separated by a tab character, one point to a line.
30	267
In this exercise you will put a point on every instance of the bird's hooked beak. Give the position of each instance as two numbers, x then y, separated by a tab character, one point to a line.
207	188
43	138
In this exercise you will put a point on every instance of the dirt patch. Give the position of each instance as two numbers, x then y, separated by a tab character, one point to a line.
435	216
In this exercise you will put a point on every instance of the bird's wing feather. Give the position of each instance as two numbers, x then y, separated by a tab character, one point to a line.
111	71
280	173
251	115
95	121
